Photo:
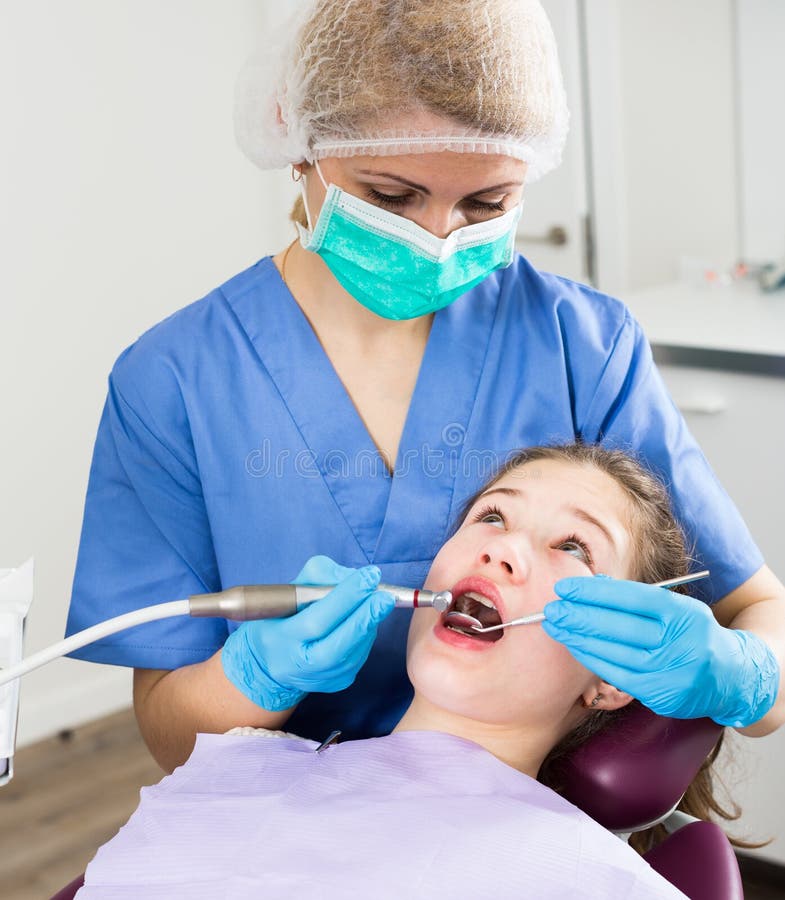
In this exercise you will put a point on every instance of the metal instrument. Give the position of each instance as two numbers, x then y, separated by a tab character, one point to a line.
278	601
532	618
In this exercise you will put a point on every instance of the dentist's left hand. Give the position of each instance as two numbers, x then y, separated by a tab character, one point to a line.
276	662
665	649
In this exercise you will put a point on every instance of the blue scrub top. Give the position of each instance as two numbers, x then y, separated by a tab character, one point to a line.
229	453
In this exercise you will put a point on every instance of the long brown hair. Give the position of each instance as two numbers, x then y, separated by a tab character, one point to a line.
659	552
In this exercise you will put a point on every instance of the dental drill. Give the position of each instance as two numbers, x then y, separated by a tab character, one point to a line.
241	604
278	601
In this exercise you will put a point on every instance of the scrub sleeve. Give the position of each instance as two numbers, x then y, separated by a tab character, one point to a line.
229	452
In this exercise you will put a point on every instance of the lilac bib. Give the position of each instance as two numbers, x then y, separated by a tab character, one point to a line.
410	815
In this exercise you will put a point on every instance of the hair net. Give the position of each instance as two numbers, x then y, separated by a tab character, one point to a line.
383	77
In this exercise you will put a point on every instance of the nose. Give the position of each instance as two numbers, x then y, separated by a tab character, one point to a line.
505	557
440	219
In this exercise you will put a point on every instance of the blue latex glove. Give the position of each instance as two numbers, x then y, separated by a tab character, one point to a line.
665	649
276	662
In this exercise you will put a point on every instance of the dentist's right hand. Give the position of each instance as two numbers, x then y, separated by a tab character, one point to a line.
276	662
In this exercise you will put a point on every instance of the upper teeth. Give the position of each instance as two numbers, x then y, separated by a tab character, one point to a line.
479	598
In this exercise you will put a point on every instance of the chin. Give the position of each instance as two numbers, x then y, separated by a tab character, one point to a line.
446	684
454	705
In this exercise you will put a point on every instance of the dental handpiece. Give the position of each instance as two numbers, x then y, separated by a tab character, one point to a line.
278	601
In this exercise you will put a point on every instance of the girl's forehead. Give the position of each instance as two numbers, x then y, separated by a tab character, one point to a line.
541	488
554	477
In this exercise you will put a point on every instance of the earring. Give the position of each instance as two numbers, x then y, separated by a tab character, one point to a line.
596	700
297	176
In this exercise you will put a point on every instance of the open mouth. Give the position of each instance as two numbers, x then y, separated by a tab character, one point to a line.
479	607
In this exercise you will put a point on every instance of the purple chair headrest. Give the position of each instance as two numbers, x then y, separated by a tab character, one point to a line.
634	772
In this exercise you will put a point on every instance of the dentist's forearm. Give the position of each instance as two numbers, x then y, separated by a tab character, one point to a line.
758	606
173	706
766	619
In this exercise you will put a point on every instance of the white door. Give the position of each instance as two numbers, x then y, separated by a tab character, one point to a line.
553	230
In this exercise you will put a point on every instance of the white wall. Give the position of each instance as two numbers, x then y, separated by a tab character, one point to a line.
678	133
761	87
661	94
123	197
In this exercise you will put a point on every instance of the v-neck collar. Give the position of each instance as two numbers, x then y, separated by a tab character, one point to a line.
393	518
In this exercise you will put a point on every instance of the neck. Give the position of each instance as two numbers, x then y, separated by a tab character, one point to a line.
331	309
522	747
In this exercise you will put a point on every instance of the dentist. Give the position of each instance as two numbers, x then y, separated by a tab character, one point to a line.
345	397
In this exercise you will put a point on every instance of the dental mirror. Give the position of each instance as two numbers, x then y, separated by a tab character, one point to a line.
538	617
462	620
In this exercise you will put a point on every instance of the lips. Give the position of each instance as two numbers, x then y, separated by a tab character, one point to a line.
479	598
476	584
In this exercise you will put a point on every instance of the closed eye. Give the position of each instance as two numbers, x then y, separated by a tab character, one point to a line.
391	201
481	206
396	201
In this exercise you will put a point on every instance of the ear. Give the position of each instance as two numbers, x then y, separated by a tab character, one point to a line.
602	695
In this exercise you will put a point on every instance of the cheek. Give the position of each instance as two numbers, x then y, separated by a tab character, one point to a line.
420	639
423	621
565	565
435	672
537	657
448	565
537	589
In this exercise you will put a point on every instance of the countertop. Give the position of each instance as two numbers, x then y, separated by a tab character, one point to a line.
734	326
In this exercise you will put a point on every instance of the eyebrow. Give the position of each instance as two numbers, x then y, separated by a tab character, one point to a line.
421	187
575	510
510	492
587	517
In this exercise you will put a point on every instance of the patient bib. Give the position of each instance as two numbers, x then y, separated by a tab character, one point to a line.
410	815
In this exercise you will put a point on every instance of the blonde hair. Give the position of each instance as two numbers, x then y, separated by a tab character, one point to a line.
297	214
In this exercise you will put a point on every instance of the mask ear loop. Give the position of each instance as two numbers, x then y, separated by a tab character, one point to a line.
305	204
319	173
300	179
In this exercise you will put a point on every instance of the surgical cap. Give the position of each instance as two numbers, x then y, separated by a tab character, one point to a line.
383	77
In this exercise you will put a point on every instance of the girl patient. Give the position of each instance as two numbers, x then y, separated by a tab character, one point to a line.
448	805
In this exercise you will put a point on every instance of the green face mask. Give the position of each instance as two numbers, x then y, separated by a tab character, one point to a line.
397	269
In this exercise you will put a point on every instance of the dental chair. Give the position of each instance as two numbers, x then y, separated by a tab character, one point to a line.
632	776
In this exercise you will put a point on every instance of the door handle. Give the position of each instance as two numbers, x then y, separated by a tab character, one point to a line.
556	236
